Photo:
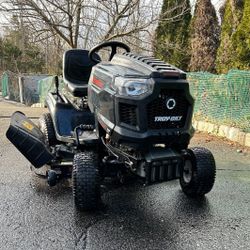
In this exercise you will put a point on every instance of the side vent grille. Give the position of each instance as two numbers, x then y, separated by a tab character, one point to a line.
128	114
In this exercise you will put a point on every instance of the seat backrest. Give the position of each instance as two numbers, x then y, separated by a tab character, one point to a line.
76	70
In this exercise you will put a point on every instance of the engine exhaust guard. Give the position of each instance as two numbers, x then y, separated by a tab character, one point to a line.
28	139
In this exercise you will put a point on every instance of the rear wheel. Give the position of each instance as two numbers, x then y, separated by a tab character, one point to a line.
198	172
46	126
86	181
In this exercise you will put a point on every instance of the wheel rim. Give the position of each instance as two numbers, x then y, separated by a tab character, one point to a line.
187	171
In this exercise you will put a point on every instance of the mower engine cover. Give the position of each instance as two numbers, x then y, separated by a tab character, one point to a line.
141	99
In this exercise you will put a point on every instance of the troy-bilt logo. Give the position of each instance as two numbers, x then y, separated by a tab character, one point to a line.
167	118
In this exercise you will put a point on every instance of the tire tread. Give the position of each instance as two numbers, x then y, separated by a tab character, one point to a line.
204	173
47	127
85	177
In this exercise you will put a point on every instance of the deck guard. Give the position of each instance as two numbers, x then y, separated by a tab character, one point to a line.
28	139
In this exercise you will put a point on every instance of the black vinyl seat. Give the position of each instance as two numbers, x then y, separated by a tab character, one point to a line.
76	71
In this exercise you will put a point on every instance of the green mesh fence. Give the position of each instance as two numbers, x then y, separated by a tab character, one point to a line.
10	86
47	85
4	84
222	99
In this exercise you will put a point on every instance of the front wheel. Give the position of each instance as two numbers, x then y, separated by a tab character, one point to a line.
86	181
198	173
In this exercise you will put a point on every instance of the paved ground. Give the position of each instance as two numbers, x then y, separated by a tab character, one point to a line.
34	216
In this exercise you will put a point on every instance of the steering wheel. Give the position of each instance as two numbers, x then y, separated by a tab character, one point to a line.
113	44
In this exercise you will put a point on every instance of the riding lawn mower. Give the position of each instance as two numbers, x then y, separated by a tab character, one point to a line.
129	115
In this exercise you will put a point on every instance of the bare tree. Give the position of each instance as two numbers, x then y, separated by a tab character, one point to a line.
57	25
54	16
81	22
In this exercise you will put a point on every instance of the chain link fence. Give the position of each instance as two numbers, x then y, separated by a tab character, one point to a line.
222	99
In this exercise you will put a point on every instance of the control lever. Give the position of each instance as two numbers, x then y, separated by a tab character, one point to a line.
80	129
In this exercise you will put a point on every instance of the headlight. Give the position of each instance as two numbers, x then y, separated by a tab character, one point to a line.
133	86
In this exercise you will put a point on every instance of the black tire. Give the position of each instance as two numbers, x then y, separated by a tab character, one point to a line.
45	124
198	173
86	181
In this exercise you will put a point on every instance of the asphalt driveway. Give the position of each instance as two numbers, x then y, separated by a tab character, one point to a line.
35	216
